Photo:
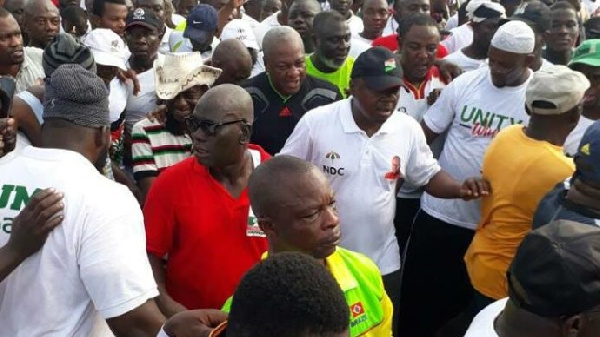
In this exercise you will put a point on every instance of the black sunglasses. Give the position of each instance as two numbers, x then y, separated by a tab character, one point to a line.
209	127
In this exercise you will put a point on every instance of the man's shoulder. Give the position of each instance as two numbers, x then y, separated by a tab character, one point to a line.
470	80
328	113
264	155
258	81
175	173
317	83
146	126
359	262
405	123
33	53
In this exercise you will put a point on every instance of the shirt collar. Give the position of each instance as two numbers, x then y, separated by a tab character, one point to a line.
284	99
337	268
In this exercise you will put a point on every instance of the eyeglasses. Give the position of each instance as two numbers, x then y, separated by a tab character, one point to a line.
209	127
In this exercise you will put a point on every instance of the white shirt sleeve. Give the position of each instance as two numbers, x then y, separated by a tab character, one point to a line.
299	144
112	255
34	103
421	165
439	116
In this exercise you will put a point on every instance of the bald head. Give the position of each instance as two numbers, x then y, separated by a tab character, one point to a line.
41	22
234	59
33	6
278	36
225	100
266	181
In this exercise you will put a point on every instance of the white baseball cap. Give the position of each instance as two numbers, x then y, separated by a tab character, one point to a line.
559	87
241	30
108	48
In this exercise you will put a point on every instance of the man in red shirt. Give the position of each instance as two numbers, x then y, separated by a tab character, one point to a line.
197	213
403	9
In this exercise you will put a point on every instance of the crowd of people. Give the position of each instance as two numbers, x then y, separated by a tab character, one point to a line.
294	168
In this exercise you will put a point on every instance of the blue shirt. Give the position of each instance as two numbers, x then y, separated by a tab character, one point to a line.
554	206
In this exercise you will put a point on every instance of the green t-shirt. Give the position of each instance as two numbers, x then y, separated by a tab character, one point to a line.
339	78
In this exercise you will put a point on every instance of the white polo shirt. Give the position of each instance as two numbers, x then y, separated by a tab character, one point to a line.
473	111
92	267
356	167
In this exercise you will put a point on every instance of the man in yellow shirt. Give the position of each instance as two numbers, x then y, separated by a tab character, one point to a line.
522	164
330	61
295	208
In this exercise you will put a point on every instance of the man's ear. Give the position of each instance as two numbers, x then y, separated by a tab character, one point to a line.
572	326
246	133
102	137
95	20
399	40
266	225
352	88
529	59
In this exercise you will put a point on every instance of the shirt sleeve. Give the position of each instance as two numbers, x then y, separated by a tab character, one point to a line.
159	216
385	328
421	165
440	115
144	164
112	256
299	143
34	103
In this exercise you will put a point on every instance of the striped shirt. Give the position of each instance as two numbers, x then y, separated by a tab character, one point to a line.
155	148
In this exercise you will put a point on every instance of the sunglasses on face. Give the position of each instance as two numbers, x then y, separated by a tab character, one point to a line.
209	127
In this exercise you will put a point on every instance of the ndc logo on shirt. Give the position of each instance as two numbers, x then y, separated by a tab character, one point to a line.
332	155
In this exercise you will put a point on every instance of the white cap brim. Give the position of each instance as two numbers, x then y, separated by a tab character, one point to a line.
109	60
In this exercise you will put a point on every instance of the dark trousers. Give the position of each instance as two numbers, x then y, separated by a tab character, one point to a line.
457	327
435	283
391	283
406	210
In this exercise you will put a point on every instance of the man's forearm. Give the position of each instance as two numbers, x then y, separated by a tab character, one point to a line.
442	185
9	261
167	305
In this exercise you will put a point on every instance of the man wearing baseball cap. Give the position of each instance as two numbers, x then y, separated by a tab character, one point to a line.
486	16
471	110
577	198
143	38
367	150
553	286
111	54
586	59
241	30
520	179
536	14
198	33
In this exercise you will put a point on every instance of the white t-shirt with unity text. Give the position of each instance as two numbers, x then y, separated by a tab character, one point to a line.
356	166
91	268
473	111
